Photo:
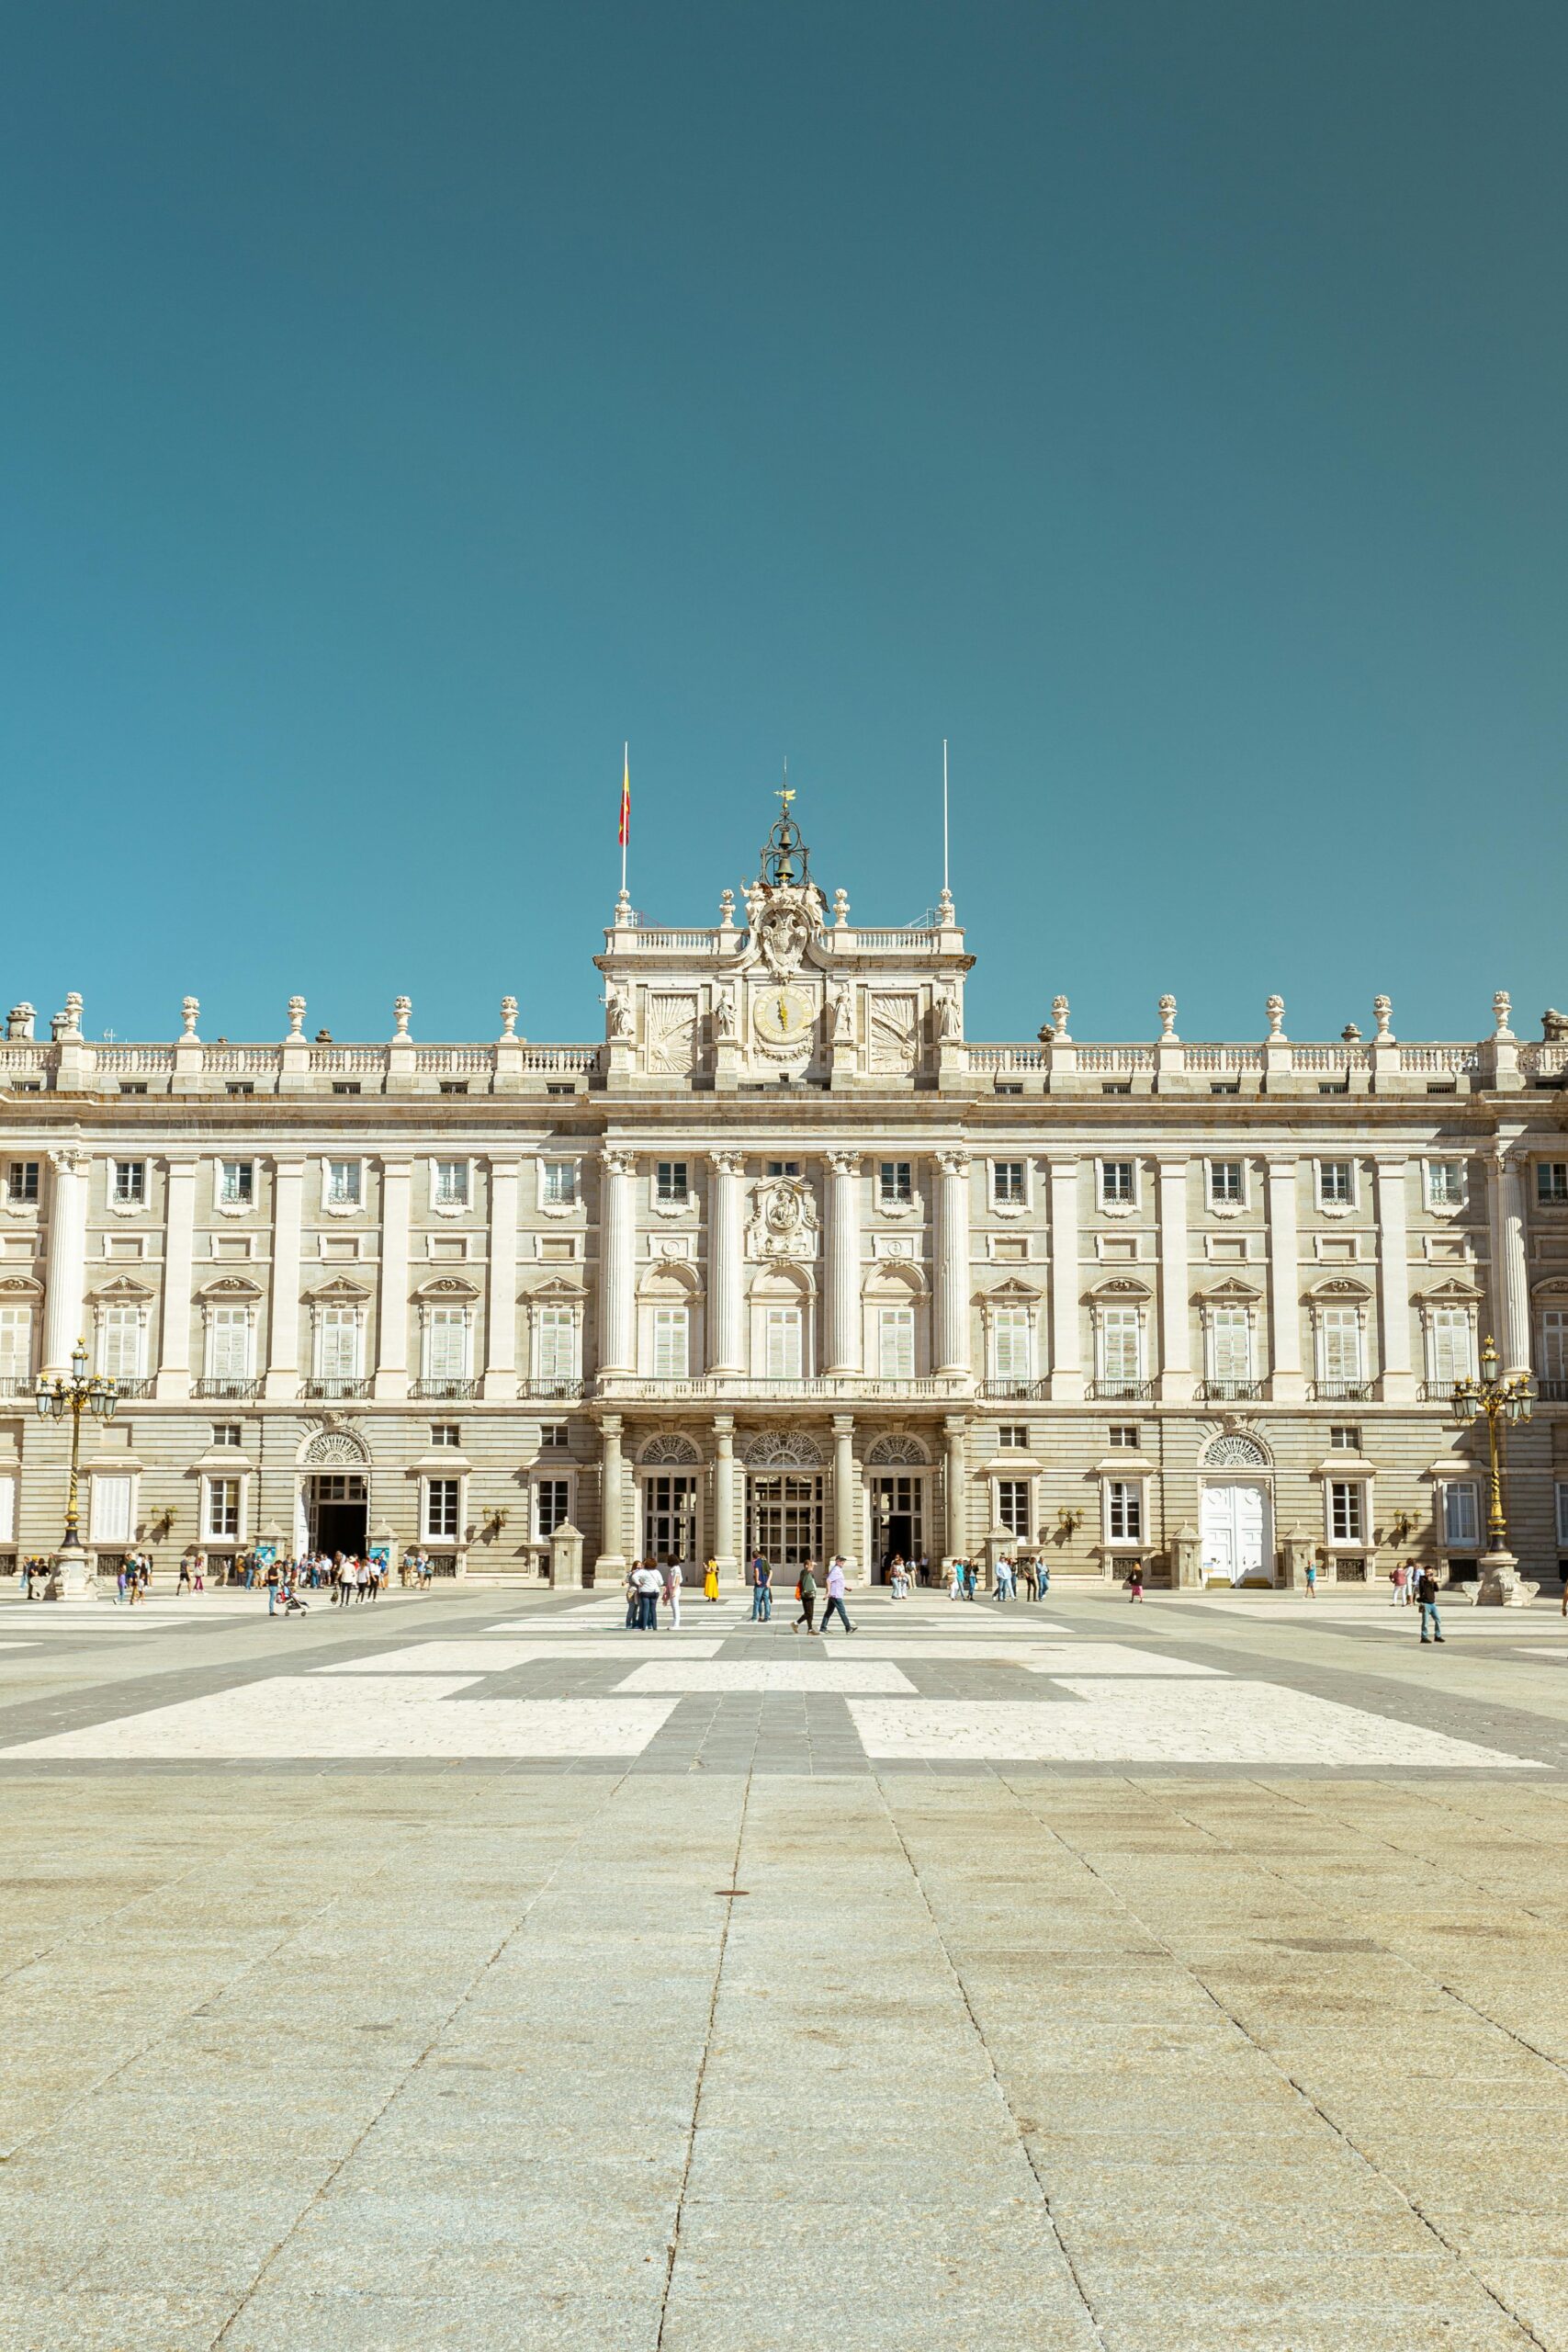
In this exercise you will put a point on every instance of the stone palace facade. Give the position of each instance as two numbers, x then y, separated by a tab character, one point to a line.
785	1262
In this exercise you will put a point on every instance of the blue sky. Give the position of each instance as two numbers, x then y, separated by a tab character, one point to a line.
403	405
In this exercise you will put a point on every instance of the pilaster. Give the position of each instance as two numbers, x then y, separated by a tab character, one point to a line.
1066	1362
1394	1282
283	1316
1287	1386
843	1263
173	1350
501	1303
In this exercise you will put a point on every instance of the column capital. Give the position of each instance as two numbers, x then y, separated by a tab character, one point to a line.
953	1160
1173	1163
611	1425
397	1169
845	1163
508	1167
616	1161
72	1160
726	1163
287	1166
955	1425
724	1427
843	1425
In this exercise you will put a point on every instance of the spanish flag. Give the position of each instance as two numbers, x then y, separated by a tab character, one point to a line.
625	832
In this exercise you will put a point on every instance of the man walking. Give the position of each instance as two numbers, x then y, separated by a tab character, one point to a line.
836	1594
806	1594
762	1590
1426	1594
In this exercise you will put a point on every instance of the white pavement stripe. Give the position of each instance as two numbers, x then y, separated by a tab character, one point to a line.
496	1658
1042	1658
1222	1723
785	1675
294	1718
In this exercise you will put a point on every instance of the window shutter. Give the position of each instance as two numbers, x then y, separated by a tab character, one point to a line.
1230	1344
896	1343
16	1342
1120	1344
1448	1345
1554	1344
1010	1343
111	1507
229	1343
447	1343
119	1349
1339	1343
337	1343
782	1328
670	1344
558	1351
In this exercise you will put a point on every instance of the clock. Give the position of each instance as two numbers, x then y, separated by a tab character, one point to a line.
784	1016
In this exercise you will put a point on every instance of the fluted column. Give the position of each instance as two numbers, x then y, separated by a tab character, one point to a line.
725	1339
953	1262
283	1313
501	1303
67	1263
1176	1348
611	1507
618	1262
844	1350
957	1492
1393	1282
393	1311
723	1550
174	1349
1066	1361
846	1495
1511	1278
1286	1385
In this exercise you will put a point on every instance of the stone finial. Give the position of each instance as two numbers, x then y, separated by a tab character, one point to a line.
19	1021
1167	1016
1502	1006
1275	1008
1059	1018
727	911
840	910
509	1016
189	1006
1350	1034
1382	1010
623	910
297	1016
1553	1026
944	913
403	1007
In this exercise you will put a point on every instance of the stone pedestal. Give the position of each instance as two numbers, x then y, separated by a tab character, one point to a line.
1501	1585
71	1575
566	1557
1186	1558
1301	1548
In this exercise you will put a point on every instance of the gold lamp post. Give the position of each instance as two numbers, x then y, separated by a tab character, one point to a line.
68	1579
1501	1399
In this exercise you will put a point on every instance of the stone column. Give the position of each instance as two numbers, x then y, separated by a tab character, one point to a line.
618	1262
501	1303
283	1314
726	1350
957	1498
844	1352
1067	1365
67	1265
1286	1385
724	1549
846	1494
1174	1313
1510	1282
174	1352
1393	1282
393	1311
953	1262
611	1507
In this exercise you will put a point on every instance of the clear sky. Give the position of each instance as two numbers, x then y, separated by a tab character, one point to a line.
402	405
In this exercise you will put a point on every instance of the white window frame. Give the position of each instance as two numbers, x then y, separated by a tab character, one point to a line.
427	1485
1018	1487
1434	1205
1224	1206
1356	1311
1128	1317
342	1208
670	1204
445	1314
19	1363
126	1316
1345	1207
1017	1322
784	1324
539	1532
1457	1489
336	1315
222	1200
1022	1206
8	1507
1012	1437
451	1208
133	1205
22	1200
1117	1205
560	1208
1117	1498
666	1324
896	1203
553	1318
1554	1199
226	1315
211	1481
1360	1539
895	1324
1230	1310
1444	1315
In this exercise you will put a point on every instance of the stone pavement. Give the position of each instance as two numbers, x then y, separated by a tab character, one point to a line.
745	2033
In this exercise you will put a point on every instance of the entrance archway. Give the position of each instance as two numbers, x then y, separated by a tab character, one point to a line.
337	1512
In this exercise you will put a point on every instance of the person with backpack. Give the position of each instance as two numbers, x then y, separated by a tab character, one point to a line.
806	1594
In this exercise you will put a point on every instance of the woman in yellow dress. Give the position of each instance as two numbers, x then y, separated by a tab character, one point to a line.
710	1582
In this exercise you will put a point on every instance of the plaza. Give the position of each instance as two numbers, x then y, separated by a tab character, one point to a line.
470	1970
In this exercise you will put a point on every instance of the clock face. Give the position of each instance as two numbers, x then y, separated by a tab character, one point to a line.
784	1016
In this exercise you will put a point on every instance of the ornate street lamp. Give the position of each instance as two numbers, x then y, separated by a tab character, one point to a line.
1501	1400
69	1576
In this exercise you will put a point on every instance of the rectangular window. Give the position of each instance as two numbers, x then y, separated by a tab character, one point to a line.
1449	1351
1118	1183
345	1086
671	1180
441	1507
1228	1184
454	1086
451	1183
1011	1343
1124	1434
1347	1511
1012	1507
111	1507
445	1433
1562	1493
1552	1183
446	1342
1007	1191
122	1354
561	1183
552	1503
1339	1343
1120	1332
1445	1183
1335	1183
895	1342
345	1183
1012	1437
128	1182
338	1330
223	1507
229	1337
16	1342
235	1086
1462	1514
671	1342
895	1182
21	1182
1554	1344
1344	1436
555	1438
1123	1511
1230	1344
782	1340
784	1167
237	1183
226	1433
558	1343
560	1089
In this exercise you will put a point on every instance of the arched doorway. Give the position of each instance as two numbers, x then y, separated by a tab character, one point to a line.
1235	1512
784	1485
333	1511
896	1475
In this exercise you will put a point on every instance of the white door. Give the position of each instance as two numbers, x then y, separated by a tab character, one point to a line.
1233	1522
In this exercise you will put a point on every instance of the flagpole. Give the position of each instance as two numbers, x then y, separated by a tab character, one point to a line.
944	884
625	827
